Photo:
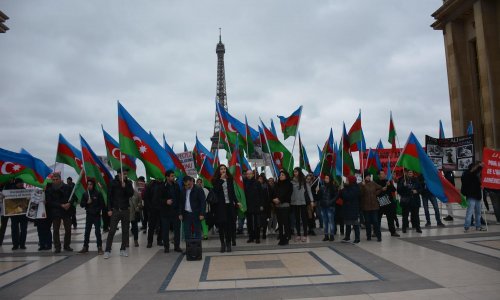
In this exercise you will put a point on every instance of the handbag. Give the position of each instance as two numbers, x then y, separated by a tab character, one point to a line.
339	201
383	200
211	198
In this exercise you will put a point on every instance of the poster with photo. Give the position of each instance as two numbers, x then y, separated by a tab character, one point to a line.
36	206
453	154
15	202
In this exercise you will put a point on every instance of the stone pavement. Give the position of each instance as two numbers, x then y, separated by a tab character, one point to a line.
440	263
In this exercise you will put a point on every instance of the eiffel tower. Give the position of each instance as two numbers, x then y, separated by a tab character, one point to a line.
221	95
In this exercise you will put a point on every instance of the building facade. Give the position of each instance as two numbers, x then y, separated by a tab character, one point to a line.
471	30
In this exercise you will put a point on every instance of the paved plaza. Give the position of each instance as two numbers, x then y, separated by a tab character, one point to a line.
440	263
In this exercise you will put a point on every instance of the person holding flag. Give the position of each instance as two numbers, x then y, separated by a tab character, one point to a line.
120	191
93	202
226	201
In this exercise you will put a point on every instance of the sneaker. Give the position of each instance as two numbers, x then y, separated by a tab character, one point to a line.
481	229
107	255
124	253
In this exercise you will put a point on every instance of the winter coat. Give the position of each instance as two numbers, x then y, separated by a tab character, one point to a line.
162	191
54	198
299	193
369	192
197	201
283	191
97	204
254	196
222	215
405	190
328	195
471	185
351	196
118	196
135	206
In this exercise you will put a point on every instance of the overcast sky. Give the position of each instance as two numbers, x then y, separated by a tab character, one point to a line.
64	65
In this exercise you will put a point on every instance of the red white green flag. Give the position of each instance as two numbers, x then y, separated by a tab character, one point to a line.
236	171
392	134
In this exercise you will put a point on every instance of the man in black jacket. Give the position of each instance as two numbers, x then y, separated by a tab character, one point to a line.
167	195
192	208
119	193
93	202
57	201
471	189
153	205
255	206
390	209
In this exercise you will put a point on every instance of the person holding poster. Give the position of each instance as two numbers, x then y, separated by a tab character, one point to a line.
57	201
19	223
471	189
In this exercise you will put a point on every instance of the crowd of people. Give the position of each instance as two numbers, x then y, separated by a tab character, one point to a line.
293	206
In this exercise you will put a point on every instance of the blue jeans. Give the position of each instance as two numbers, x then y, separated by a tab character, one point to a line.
473	204
425	202
328	216
191	220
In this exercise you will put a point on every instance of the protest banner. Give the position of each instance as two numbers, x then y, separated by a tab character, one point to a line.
187	161
453	154
490	176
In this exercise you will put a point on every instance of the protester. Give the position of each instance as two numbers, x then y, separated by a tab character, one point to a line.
204	224
408	189
93	202
74	200
370	206
351	196
254	196
119	193
389	210
451	178
312	199
471	189
282	197
224	209
135	207
154	205
266	203
19	223
168	195
192	208
427	197
328	195
57	200
299	204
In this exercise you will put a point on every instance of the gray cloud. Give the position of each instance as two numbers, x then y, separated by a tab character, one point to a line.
66	64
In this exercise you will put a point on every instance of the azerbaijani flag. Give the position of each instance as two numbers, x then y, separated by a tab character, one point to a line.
441	130
380	145
282	158
328	157
414	158
303	160
239	188
200	152
273	129
392	134
206	173
21	165
180	171
67	154
356	136
235	129
113	152
347	161
317	170
135	141
373	164
290	125
95	168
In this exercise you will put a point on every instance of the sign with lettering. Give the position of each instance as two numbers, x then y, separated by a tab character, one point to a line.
453	154
490	176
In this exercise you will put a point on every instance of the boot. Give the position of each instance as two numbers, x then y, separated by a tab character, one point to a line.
84	250
99	251
325	238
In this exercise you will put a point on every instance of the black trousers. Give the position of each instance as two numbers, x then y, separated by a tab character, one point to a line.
300	213
3	227
19	230
116	217
166	223
253	225
56	224
92	220
415	218
44	234
227	229
390	213
283	216
153	223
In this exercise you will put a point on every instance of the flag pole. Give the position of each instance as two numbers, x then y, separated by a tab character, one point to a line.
74	188
295	137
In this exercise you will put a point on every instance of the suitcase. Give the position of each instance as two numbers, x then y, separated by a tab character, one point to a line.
193	249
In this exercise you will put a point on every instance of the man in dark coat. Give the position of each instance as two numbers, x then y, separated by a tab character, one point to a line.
167	194
390	209
93	202
254	196
471	189
152	198
57	202
408	189
192	208
119	193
